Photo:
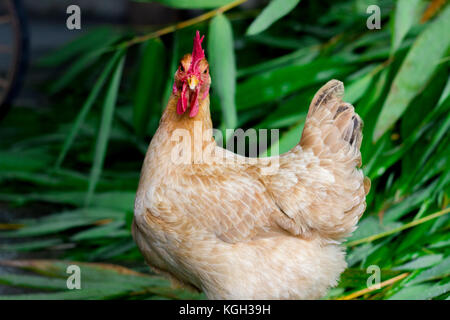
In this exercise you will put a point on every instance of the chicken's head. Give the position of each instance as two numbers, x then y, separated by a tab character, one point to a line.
192	79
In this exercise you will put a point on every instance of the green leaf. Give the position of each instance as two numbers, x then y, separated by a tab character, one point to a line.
117	200
408	204
30	160
104	130
407	13
439	271
81	64
20	280
289	140
110	230
86	108
421	292
99	281
112	250
269	86
440	244
360	253
355	90
191	4
283	42
147	97
415	71
355	278
370	226
300	56
85	294
172	69
87	42
445	96
223	67
420	263
290	112
63	221
273	12
443	129
410	293
32	245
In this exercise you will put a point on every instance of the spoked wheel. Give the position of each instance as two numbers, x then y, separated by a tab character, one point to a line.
13	51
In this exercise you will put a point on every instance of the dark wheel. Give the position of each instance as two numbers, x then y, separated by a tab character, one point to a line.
13	51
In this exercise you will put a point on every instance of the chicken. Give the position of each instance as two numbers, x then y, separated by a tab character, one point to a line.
223	224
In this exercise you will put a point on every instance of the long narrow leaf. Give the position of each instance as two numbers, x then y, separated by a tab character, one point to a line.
416	70
191	4
406	14
147	97
105	128
80	64
273	12
87	42
86	108
223	67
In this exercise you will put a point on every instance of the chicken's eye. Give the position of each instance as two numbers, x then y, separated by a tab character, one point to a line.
181	67
205	71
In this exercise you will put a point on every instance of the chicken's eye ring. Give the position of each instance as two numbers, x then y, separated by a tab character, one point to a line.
181	67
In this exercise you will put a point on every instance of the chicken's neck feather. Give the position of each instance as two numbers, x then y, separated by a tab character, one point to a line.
171	120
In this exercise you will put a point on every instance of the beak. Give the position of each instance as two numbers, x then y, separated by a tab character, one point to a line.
192	82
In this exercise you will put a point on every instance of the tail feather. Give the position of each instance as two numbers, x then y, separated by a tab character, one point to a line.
335	121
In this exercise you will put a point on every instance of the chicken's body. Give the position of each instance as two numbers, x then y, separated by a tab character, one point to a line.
224	225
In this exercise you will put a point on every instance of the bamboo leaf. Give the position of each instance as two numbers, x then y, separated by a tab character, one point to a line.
100	281
86	108
288	140
80	64
30	160
355	90
438	271
357	278
410	293
273	12
147	97
117	200
398	229
416	70
300	56
62	221
422	262
86	42
191	4
104	130
32	245
172	69
271	85
407	13
20	280
223	67
110	230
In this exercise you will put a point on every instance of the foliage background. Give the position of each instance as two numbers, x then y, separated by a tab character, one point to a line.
81	155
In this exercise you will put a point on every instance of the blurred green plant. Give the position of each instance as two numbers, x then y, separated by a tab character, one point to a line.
265	72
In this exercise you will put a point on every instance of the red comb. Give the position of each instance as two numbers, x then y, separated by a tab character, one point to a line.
197	52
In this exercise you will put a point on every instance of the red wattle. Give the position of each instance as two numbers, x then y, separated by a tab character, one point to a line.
194	103
182	102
